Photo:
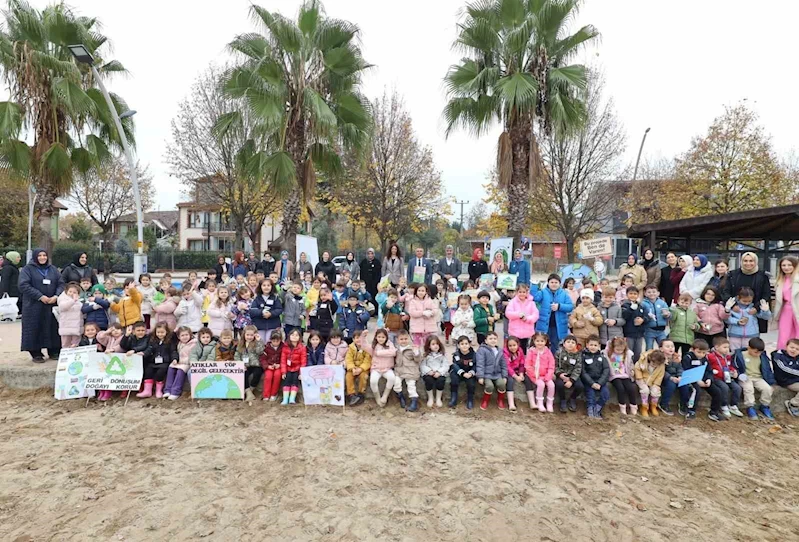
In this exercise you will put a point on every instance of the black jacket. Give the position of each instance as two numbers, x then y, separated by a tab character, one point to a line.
629	314
690	361
9	279
329	269
75	271
167	350
786	368
370	274
463	363
139	346
595	369
266	267
666	287
85	341
325	314
476	269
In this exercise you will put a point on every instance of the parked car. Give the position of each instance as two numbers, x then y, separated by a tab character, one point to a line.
338	261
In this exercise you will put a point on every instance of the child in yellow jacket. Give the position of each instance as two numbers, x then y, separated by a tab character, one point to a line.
585	319
128	308
650	370
358	362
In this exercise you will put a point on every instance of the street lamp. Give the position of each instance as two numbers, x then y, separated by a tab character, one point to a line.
640	150
82	55
32	195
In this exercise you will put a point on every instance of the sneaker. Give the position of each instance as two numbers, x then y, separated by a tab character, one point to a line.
691	415
736	411
564	408
713	416
572	405
174	397
726	412
792	410
682	410
665	410
751	413
766	412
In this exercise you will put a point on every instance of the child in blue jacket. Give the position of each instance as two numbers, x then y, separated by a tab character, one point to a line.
743	324
316	350
657	317
554	307
354	317
786	373
96	307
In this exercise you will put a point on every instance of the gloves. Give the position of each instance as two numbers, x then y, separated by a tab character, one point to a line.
764	305
729	304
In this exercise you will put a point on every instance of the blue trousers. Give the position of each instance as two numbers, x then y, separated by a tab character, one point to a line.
667	389
598	398
654	335
554	340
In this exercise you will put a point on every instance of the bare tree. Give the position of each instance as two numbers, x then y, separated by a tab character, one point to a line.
196	153
577	195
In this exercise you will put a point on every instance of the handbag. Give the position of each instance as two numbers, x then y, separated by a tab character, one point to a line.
394	322
8	308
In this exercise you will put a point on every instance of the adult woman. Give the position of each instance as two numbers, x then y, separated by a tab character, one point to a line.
520	268
677	275
9	277
40	284
327	267
370	272
239	265
719	279
304	266
750	276
697	277
652	267
498	265
477	266
252	262
666	288
786	305
351	265
393	264
284	268
78	269
222	267
632	267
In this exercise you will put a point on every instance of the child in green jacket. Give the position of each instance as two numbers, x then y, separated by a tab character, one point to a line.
682	324
483	316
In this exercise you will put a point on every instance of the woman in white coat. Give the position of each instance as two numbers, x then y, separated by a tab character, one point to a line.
696	278
786	304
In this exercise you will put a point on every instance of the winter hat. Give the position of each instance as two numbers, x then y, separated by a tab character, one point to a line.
587	292
13	256
284	253
99	288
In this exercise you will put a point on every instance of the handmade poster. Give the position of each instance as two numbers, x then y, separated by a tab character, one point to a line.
503	245
452	299
70	373
487	281
323	385
692	375
471	293
217	379
506	281
114	371
419	272
309	246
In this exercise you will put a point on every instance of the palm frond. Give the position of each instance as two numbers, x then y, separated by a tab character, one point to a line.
10	120
567	47
518	91
333	33
320	112
15	157
568	76
308	18
72	97
226	124
98	149
252	45
57	165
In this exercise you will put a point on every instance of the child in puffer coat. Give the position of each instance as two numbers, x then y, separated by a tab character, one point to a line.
522	314
514	358
111	338
434	368
70	319
270	363
539	367
711	314
612	318
316	350
657	317
336	349
585	319
743	319
462	319
383	353
225	349
649	373
189	310
293	358
96	307
595	376
491	370
406	368
568	368
424	313
178	369
622	372
165	310
786	373
205	348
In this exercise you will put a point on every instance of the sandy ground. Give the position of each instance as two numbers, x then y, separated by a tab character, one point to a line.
229	471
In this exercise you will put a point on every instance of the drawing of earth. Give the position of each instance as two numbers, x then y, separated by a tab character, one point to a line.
217	387
75	368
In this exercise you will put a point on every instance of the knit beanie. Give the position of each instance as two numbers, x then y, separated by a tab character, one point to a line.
587	292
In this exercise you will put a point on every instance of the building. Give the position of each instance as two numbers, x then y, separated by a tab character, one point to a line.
202	225
164	223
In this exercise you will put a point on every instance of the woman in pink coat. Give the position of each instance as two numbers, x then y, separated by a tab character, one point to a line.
522	314
424	316
539	367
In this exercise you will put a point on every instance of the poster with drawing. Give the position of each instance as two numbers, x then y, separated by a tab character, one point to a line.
71	373
114	371
309	246
217	379
323	385
504	246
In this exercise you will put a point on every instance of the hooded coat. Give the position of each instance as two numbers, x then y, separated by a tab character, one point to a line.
9	278
75	271
39	326
696	278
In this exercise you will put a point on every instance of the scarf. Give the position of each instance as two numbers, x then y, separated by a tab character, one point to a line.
753	255
476	255
702	263
648	263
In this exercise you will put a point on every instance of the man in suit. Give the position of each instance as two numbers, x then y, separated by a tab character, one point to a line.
420	261
449	267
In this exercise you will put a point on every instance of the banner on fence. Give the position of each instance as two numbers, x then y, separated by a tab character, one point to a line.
323	385
593	248
309	246
114	371
71	373
217	380
503	245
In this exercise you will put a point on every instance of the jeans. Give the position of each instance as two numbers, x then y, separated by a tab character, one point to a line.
597	397
667	387
561	389
651	336
725	389
635	344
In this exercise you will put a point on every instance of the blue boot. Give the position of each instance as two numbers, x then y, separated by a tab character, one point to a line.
401	398
469	400
591	411
453	397
751	413
414	404
766	412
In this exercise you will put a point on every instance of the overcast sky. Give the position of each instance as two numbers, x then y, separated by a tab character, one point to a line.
668	65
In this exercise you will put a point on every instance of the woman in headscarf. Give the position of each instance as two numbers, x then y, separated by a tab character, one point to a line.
9	277
285	268
685	262
78	269
351	265
786	304
498	265
652	267
477	266
305	267
40	284
696	277
750	276
632	267
666	288
327	268
520	268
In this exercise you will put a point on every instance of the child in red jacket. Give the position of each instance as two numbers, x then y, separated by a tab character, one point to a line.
724	375
293	358
270	363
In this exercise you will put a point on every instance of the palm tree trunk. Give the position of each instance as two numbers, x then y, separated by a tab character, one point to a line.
518	189
290	222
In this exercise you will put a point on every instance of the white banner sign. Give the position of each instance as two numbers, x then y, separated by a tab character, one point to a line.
71	371
593	248
114	371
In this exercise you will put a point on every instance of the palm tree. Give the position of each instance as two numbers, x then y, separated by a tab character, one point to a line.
71	129
516	71
300	81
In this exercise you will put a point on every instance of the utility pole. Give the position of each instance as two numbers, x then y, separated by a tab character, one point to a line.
461	203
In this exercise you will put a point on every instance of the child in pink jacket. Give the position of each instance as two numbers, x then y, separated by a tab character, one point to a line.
522	314
711	314
539	367
70	316
165	310
424	313
383	353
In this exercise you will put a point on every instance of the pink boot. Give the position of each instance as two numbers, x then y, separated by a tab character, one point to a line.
540	404
104	395
633	410
159	390
147	391
550	404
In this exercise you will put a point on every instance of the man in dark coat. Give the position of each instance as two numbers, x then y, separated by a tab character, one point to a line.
79	269
370	272
267	265
40	284
419	261
9	277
